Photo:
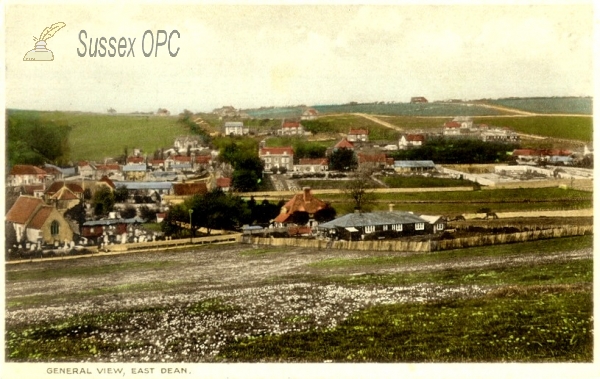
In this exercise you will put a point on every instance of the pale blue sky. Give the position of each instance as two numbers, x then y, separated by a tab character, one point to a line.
250	56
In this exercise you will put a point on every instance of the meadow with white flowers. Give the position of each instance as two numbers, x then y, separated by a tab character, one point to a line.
527	302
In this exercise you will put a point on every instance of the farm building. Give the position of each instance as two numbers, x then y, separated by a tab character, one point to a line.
418	99
291	128
235	128
411	140
358	135
380	225
413	166
26	174
309	114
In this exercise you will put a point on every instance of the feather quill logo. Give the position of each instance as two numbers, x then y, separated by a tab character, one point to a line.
41	53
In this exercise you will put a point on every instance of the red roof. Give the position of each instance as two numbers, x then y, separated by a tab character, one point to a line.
276	150
157	161
108	167
65	194
203	159
291	124
526	152
302	202
344	143
23	169
452	124
40	217
223	182
52	170
182	158
56	186
31	188
184	189
314	161
294	230
415	137
23	208
371	158
106	180
358	132
311	111
135	159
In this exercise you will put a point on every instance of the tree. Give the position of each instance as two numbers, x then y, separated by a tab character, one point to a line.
300	218
171	223
359	190
244	180
326	214
103	201
147	213
217	210
121	194
129	212
343	159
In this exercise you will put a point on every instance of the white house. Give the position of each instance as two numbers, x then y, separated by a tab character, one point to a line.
235	128
277	157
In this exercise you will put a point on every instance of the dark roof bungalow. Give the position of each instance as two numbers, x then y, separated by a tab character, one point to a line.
371	225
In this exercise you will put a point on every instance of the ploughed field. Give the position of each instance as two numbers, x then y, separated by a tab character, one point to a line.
528	302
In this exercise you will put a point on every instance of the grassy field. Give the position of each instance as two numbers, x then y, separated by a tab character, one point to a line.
576	128
343	123
457	202
527	302
98	136
407	109
420	181
570	105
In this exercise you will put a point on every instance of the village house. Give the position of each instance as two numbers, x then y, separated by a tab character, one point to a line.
183	143
379	225
358	135
224	184
343	144
63	195
235	128
109	169
156	164
411	140
113	231
277	157
54	173
27	175
374	161
133	171
86	169
36	222
303	202
309	114
418	99
312	165
291	128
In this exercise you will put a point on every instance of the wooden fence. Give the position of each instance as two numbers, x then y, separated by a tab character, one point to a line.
173	244
424	246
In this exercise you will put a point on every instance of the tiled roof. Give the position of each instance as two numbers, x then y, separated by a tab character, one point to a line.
203	159
276	150
106	180
135	159
314	161
40	217
291	124
358	131
65	194
223	182
372	218
371	158
108	167
414	164
302	202
415	137
23	208
56	186
22	169
182	158
344	143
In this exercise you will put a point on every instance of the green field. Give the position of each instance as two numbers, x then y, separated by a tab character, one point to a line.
407	109
565	105
575	128
523	302
98	136
343	123
458	202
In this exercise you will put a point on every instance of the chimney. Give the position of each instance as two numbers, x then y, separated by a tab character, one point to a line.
391	206
306	193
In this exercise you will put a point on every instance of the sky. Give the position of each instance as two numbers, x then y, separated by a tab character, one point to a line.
289	54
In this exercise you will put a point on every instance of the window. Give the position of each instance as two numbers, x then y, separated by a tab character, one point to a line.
385	227
440	226
420	226
369	229
397	227
54	228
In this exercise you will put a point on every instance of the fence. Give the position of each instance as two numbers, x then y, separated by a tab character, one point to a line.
172	244
424	246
